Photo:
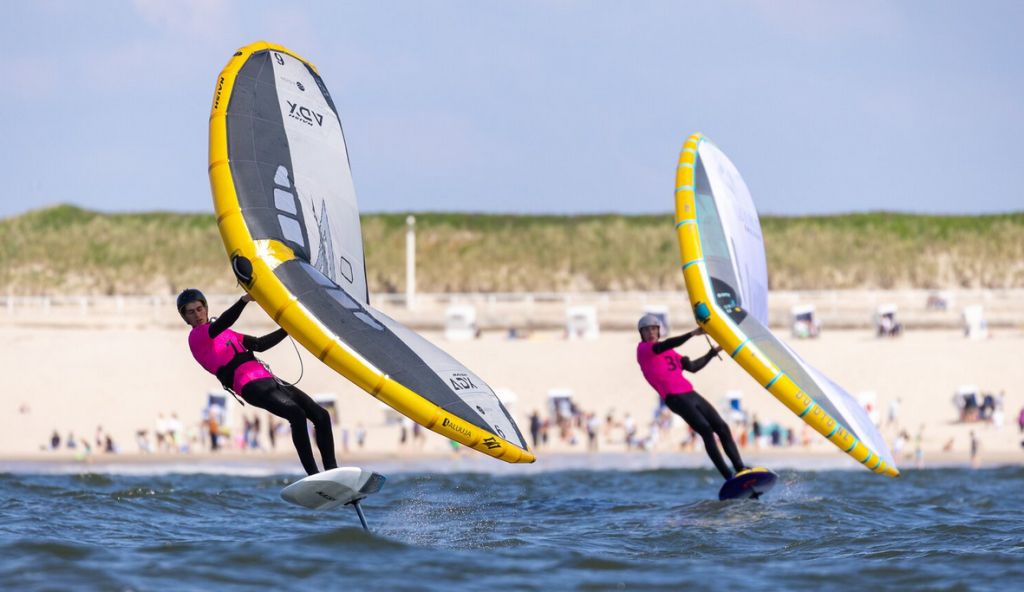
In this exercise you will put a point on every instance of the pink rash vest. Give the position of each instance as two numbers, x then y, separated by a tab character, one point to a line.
663	371
215	353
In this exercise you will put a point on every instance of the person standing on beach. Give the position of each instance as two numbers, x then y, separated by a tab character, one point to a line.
919	448
535	426
894	413
629	430
360	435
272	432
229	356
663	368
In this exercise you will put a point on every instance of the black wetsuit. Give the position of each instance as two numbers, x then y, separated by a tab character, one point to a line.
287	402
701	415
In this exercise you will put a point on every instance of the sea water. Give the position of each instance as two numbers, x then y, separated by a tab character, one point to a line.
449	526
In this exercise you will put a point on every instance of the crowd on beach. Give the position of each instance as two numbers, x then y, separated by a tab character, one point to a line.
567	427
988	410
211	432
103	442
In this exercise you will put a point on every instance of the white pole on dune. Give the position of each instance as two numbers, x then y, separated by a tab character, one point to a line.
410	262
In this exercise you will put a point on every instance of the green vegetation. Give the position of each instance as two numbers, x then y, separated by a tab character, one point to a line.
883	250
68	250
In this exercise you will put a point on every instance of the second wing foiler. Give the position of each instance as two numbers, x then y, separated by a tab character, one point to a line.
727	280
285	204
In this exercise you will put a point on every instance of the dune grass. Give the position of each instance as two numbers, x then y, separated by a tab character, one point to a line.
68	250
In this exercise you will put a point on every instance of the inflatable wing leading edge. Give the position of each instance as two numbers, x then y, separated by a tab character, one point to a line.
286	210
727	280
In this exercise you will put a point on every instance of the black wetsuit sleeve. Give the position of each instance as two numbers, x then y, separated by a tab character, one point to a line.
227	319
258	344
695	365
671	343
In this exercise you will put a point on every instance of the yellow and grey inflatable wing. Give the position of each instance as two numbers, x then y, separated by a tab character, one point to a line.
727	280
286	210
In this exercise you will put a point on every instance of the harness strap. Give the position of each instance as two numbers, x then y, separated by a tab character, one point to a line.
226	373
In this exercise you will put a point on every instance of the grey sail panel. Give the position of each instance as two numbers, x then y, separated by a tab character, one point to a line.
403	355
471	389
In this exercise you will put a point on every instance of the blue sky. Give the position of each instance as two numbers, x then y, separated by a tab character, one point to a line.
535	107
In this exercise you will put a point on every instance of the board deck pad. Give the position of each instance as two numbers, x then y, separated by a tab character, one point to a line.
330	489
748	484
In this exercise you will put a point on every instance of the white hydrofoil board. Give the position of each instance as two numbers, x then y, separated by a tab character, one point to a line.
330	489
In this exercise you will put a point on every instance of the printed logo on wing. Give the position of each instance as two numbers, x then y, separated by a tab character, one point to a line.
461	382
216	97
451	425
289	82
304	114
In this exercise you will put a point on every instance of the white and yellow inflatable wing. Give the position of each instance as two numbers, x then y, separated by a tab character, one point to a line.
727	280
286	210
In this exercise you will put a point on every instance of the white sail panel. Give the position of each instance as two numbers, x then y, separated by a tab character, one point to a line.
742	230
321	174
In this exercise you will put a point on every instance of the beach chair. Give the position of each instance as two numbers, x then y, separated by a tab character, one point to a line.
966	399
975	325
581	323
460	323
804	321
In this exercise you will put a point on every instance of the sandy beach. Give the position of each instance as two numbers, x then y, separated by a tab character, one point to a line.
75	378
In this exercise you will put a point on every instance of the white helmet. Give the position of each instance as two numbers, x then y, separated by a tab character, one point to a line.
648	320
